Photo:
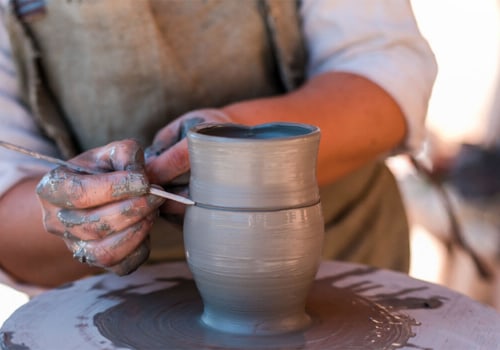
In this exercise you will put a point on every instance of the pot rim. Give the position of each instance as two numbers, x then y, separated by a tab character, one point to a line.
196	134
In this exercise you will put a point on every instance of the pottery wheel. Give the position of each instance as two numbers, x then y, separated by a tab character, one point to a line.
158	307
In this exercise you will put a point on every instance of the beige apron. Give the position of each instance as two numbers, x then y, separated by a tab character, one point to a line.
95	71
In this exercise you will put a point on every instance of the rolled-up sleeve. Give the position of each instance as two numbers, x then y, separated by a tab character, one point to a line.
17	125
379	40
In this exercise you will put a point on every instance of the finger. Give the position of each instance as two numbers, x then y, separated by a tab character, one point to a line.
132	261
170	164
171	134
67	189
97	223
188	123
50	221
159	146
112	249
126	266
165	138
118	155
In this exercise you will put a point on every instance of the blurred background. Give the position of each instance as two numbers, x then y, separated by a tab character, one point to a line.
454	202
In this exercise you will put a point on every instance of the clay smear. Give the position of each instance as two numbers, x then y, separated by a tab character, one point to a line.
342	319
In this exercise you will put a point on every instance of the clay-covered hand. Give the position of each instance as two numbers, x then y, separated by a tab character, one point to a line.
167	159
103	218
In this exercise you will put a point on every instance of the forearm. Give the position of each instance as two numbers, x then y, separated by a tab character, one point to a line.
27	251
359	121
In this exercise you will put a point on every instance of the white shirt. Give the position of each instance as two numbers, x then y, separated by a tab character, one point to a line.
377	39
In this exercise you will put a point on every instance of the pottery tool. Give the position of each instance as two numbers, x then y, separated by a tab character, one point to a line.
153	190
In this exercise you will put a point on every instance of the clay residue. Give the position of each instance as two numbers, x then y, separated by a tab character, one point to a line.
397	301
70	218
54	188
342	319
7	344
132	184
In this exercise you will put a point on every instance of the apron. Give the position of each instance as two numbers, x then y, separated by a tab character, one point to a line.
96	71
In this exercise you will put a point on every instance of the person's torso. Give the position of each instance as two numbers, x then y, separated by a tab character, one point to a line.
124	68
98	71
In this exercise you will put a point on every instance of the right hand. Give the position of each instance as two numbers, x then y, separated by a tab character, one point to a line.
167	162
104	219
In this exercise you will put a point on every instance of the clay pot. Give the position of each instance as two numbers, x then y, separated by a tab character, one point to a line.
269	166
253	240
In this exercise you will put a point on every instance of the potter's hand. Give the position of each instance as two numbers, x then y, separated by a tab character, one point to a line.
104	219
167	159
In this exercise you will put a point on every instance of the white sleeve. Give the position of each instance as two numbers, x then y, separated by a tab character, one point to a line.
17	125
377	39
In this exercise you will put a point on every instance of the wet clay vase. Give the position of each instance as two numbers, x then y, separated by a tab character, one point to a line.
254	238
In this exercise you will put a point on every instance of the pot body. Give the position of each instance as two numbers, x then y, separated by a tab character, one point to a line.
269	166
254	246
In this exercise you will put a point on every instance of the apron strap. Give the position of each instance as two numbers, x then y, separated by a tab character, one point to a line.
287	41
33	84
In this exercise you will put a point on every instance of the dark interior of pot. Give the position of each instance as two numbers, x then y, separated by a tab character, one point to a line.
264	131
